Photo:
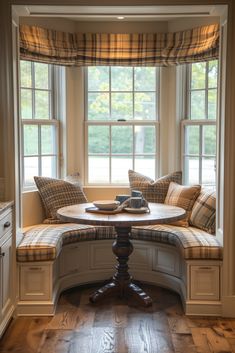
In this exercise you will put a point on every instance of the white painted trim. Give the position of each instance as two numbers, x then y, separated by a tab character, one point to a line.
196	308
5	322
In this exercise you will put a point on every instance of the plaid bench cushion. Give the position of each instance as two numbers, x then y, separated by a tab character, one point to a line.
192	242
105	232
44	242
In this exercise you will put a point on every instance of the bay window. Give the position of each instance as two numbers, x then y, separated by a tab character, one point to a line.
39	125
121	123
199	128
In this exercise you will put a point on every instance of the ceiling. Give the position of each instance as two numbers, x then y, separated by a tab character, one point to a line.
111	13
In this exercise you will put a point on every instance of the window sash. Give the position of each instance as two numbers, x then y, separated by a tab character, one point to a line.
132	155
54	86
119	122
34	89
189	90
132	92
39	123
200	123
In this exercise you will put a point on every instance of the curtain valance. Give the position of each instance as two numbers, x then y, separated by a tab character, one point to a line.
138	49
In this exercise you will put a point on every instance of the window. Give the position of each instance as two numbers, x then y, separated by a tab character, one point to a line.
121	123
199	129
39	126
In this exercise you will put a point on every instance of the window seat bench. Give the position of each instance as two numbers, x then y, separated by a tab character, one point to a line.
52	258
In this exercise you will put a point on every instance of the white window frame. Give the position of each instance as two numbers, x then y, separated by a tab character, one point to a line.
206	89
200	155
132	123
54	78
196	122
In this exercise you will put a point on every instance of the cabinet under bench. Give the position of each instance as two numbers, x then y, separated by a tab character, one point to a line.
197	281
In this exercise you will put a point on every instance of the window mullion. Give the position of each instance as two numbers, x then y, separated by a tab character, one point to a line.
51	84
200	152
133	94
110	128
39	151
110	94
206	90
133	142
189	71
22	154
110	153
33	89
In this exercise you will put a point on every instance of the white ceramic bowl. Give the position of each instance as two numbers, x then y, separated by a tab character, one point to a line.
107	205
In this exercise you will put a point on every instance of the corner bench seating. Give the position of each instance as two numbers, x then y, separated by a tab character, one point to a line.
53	257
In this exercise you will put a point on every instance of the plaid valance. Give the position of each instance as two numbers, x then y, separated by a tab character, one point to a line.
138	49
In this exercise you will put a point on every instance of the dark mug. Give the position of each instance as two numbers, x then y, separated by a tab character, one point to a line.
122	198
136	193
136	202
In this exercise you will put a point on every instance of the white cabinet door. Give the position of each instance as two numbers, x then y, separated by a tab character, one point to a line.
6	274
35	281
204	282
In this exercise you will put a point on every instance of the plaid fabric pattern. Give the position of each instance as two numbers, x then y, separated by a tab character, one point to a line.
204	211
192	242
153	191
57	193
136	49
105	232
182	196
44	242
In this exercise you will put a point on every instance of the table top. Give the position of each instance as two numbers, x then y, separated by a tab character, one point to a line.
159	214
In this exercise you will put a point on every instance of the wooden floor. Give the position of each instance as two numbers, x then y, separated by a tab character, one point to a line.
115	327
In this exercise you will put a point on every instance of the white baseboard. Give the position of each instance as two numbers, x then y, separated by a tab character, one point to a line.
196	308
35	309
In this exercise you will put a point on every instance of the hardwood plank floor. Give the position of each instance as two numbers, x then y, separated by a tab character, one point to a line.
119	326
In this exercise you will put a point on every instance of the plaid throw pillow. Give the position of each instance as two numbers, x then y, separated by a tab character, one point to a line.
182	196
153	191
56	193
204	211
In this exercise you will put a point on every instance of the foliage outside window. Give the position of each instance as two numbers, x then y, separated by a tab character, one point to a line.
121	122
199	129
39	128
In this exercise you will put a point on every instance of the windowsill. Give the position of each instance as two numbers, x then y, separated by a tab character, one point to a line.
29	190
87	187
106	187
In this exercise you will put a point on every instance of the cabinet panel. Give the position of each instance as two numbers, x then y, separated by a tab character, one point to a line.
70	260
204	282
141	257
6	263
5	223
166	260
101	256
35	282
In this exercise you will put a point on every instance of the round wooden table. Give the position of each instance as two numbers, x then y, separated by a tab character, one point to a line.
122	247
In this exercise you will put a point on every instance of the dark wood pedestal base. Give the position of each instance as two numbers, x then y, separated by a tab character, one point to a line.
121	283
